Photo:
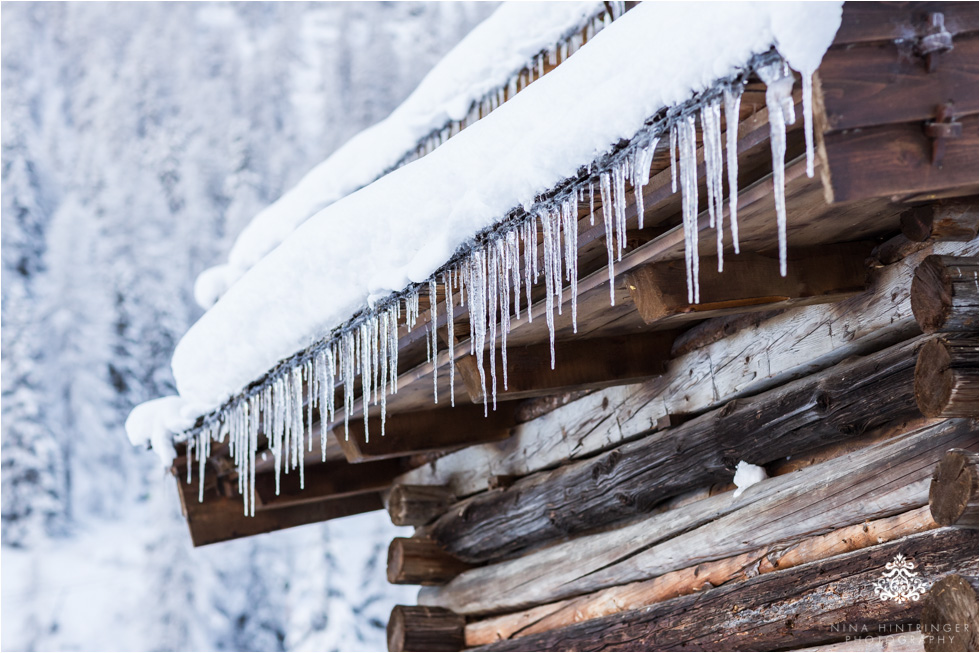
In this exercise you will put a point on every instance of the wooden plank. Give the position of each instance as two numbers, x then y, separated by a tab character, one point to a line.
880	84
750	281
890	21
621	598
816	603
836	404
880	480
897	160
580	365
795	343
430	430
325	480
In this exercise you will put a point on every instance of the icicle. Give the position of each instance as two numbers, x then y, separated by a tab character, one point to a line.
540	66
689	201
673	158
503	293
779	93
714	170
364	344
434	312
297	426
605	189
591	203
530	255
569	216
447	279
619	206
732	101
549	279
514	260
807	77
493	284
642	160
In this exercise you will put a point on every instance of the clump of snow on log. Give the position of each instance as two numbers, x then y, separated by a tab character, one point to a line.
530	162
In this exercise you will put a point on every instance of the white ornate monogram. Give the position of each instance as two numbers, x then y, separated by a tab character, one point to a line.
900	582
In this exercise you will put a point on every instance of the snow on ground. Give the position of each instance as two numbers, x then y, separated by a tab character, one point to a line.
490	55
401	228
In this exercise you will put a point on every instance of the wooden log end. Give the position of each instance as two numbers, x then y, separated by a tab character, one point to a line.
949	616
415	561
933	379
422	628
931	295
953	491
417	505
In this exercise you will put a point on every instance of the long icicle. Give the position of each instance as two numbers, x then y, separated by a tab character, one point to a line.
732	101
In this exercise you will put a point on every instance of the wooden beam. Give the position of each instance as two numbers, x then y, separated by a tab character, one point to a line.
430	430
896	160
944	294
751	360
580	365
955	221
418	628
417	505
947	380
864	22
837	404
815	603
750	282
882	479
633	596
325	480
949	614
953	492
416	561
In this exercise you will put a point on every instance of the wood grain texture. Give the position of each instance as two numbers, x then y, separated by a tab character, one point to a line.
947	380
953	491
949	614
417	628
864	22
944	295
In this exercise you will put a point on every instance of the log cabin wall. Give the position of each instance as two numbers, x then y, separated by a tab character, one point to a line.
607	518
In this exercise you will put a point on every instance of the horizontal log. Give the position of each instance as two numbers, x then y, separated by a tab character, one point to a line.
816	603
949	614
431	430
941	221
417	505
415	561
580	365
879	83
750	282
896	160
953	492
333	479
863	22
833	405
880	480
417	628
694	579
753	359
947	378
944	294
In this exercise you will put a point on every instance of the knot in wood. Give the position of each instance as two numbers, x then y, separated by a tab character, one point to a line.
823	400
605	465
728	408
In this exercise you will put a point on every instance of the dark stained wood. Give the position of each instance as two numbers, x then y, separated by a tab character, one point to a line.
815	603
750	282
879	84
417	505
833	405
325	480
944	294
956	221
949	615
862	22
947	381
418	628
579	365
895	160
416	561
442	428
953	492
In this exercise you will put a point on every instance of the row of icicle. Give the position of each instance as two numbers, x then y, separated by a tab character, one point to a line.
493	283
533	70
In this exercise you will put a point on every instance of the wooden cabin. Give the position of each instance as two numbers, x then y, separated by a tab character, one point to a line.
593	507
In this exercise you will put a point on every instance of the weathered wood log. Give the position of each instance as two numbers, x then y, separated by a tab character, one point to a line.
418	628
900	643
953	492
816	603
750	282
949	615
834	405
956	221
417	561
417	505
714	329
944	294
947	378
754	359
880	480
694	579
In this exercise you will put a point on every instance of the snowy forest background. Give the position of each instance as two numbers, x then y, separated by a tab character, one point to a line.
137	141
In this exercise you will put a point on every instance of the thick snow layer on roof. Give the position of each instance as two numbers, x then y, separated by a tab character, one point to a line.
401	228
491	54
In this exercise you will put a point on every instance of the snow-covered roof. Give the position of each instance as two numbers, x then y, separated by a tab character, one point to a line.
326	303
498	58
